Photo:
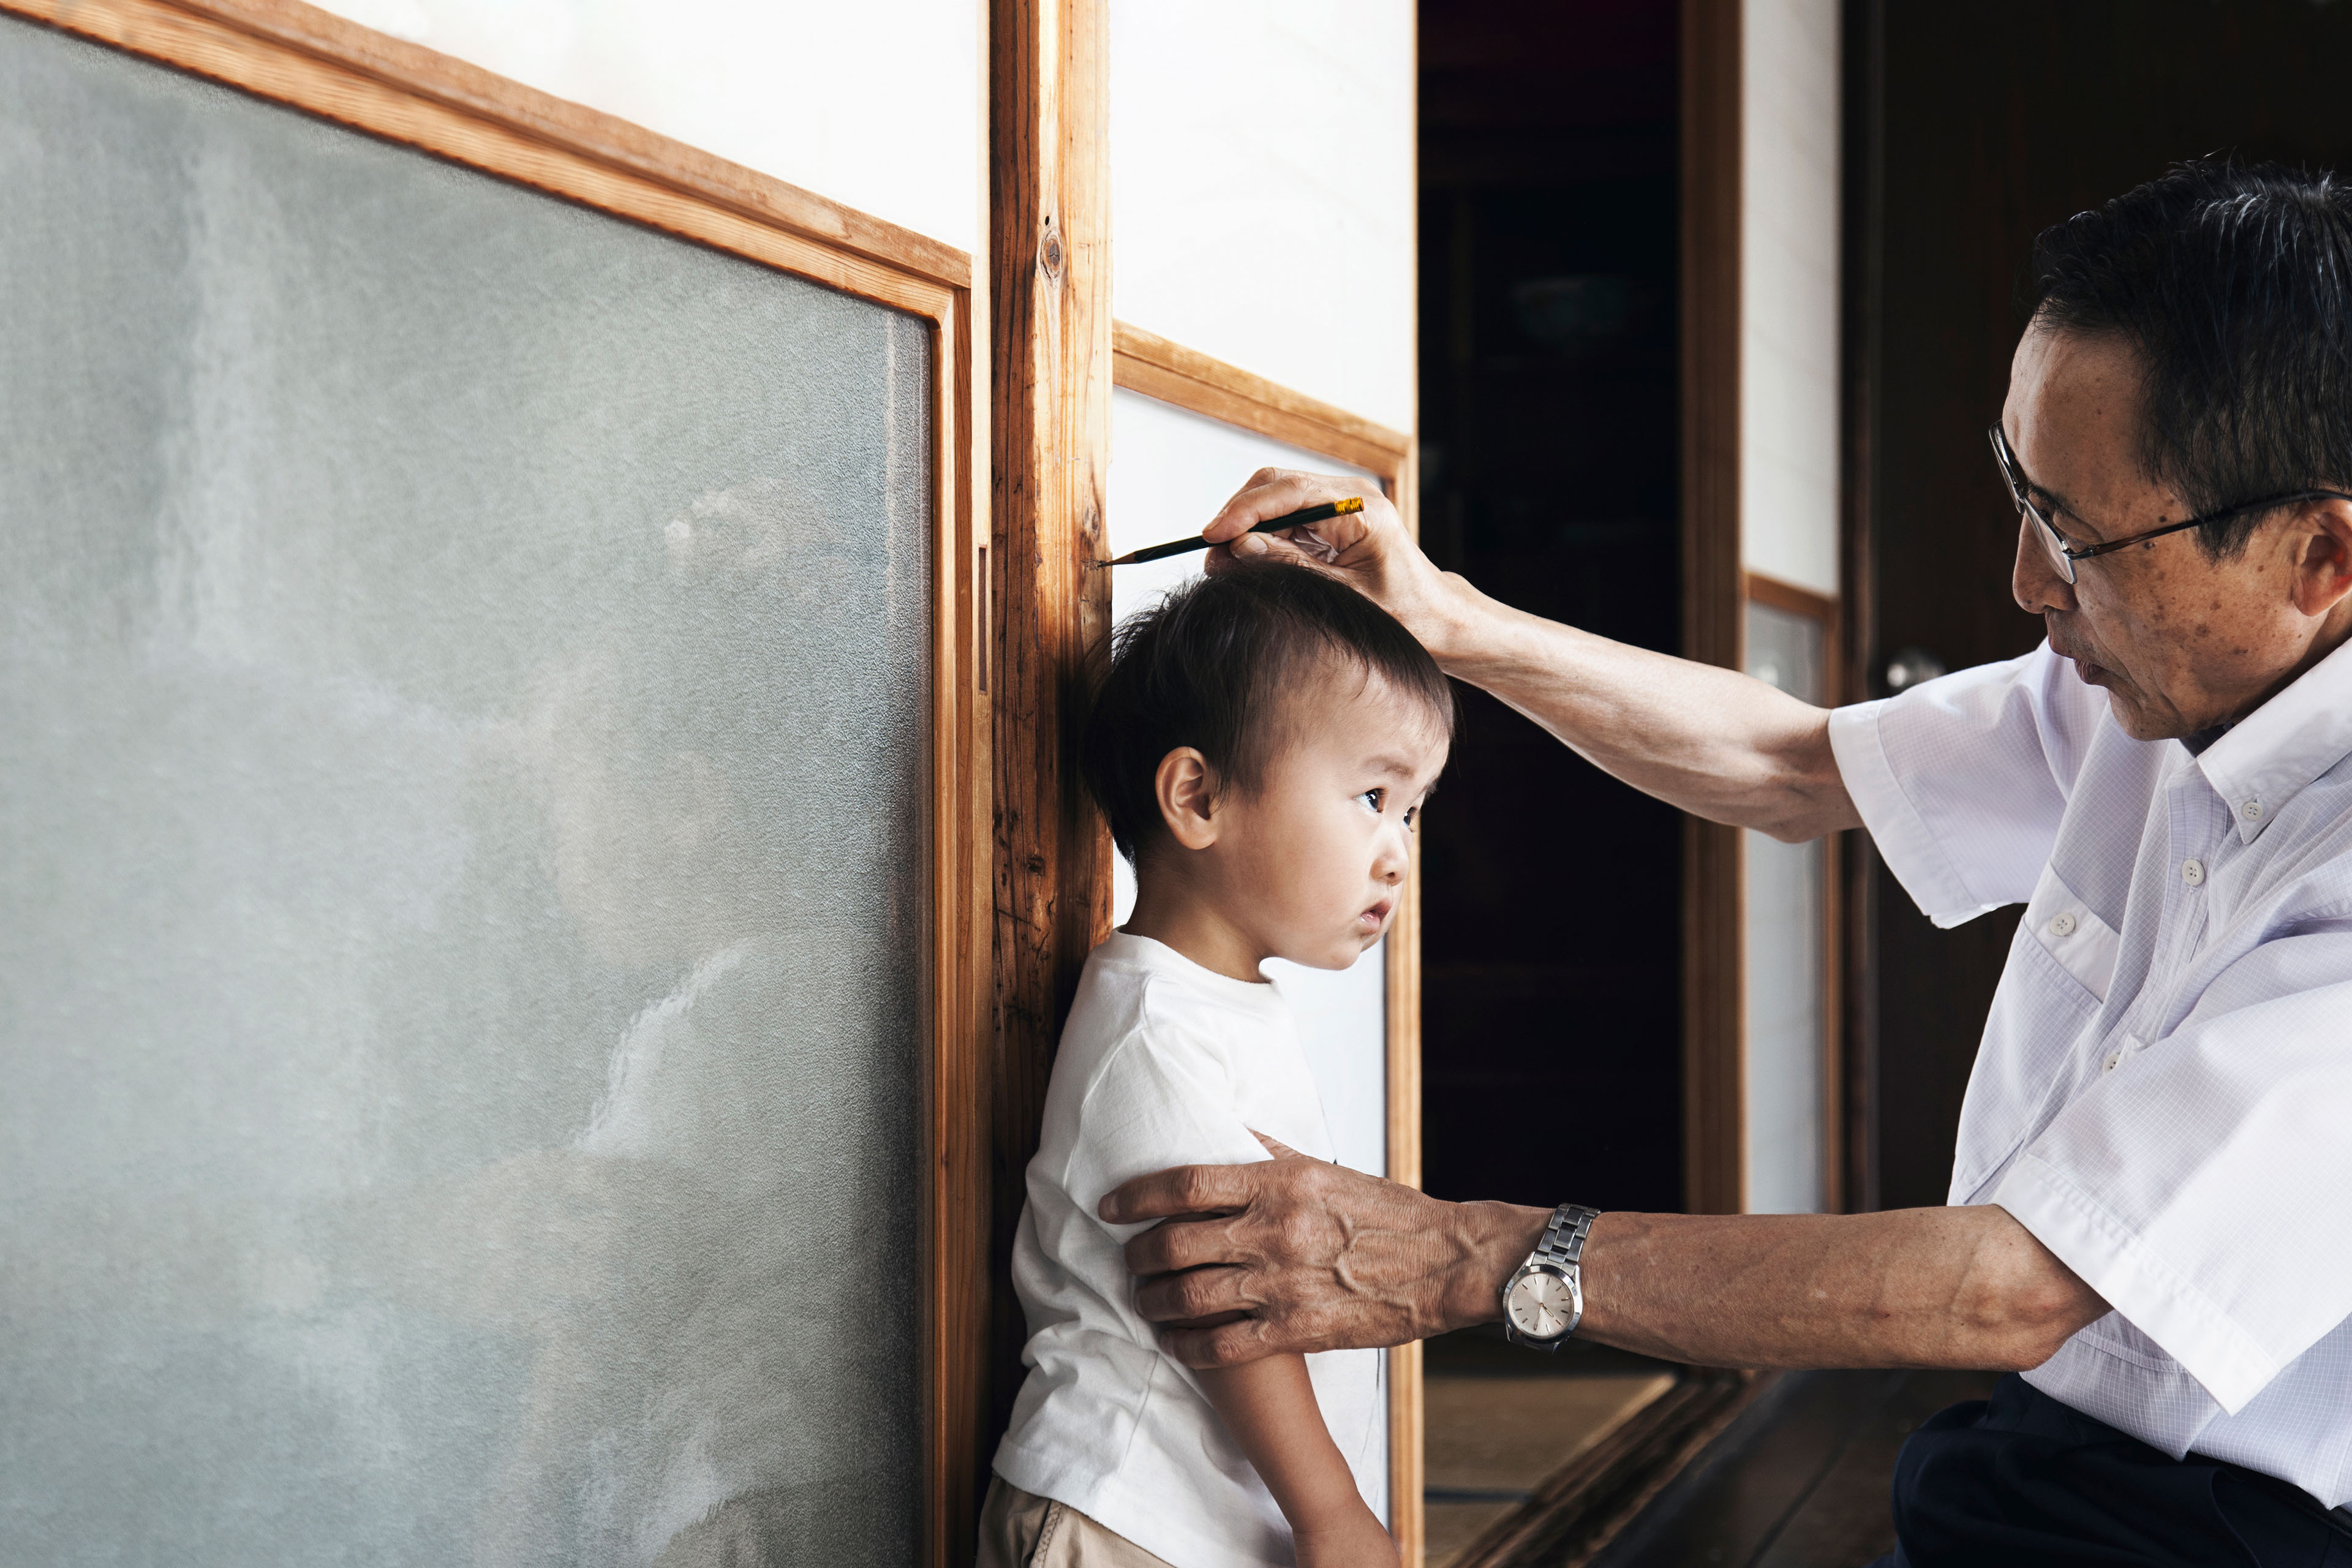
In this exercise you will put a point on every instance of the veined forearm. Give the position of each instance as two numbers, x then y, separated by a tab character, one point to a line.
1713	741
1915	1287
1319	1257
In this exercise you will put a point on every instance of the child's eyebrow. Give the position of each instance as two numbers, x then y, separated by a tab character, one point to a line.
1392	764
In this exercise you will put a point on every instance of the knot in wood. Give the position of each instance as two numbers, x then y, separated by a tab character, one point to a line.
1049	255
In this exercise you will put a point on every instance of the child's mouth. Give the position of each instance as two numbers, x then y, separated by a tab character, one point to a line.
1372	918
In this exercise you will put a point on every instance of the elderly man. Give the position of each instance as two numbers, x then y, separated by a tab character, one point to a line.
2151	1213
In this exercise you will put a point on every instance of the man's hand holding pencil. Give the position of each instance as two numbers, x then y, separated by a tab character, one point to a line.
1368	550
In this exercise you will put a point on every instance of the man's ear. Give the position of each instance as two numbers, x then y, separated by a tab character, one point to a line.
1187	789
2323	559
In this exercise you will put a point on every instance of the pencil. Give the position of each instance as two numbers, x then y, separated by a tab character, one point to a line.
1330	508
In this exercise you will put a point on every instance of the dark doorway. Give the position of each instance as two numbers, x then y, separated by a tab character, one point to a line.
1552	893
1970	129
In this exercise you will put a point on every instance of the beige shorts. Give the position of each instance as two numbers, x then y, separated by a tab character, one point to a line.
1018	1530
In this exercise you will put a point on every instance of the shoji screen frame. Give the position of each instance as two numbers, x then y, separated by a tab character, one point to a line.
293	54
1144	363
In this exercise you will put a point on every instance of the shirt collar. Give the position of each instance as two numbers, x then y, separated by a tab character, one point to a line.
2266	759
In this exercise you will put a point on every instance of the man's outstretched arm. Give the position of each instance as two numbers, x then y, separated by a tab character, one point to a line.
1713	741
1322	1258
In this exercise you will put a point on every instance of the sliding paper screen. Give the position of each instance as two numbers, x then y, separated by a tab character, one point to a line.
464	787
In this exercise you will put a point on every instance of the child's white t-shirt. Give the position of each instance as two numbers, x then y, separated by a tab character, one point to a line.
1162	1063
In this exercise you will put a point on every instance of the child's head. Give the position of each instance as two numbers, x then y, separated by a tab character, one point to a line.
1262	743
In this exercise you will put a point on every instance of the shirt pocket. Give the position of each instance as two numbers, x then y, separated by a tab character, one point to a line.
2070	931
2033	1049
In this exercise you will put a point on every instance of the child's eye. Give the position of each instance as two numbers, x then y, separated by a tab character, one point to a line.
1411	815
1377	799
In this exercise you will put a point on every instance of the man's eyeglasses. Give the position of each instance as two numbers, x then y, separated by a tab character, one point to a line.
2062	556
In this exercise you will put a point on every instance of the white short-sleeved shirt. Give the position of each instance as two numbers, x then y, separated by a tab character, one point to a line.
2163	1092
1162	1063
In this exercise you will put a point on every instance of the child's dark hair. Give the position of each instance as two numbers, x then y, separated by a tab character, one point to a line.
1211	666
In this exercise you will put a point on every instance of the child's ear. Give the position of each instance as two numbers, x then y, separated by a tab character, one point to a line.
1187	789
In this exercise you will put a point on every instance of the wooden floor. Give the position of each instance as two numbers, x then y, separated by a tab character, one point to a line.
1799	1480
1500	1419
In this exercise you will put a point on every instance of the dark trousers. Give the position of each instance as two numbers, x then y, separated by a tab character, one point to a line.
2020	1480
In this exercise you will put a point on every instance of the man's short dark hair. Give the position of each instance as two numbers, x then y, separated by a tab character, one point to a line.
1212	666
2233	284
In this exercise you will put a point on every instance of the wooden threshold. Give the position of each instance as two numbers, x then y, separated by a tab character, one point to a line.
1589	1500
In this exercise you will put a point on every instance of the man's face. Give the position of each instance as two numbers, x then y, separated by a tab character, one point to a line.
2180	642
1312	865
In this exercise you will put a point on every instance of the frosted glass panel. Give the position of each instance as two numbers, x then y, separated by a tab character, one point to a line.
462	788
1786	1016
1170	471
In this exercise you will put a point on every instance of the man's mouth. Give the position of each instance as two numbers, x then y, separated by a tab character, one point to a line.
2089	672
2086	668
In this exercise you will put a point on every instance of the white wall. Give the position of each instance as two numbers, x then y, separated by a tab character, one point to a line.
1785	1007
1261	189
876	105
1789	293
1789	529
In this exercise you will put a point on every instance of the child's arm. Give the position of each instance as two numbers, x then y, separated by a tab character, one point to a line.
1269	1407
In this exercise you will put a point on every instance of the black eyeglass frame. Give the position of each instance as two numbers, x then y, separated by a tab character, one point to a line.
2064	557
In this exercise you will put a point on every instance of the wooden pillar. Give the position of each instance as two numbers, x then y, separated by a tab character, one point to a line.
1713	1057
1050	333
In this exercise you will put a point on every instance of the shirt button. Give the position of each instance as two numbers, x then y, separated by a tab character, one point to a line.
2064	925
2193	873
2113	1062
2251	811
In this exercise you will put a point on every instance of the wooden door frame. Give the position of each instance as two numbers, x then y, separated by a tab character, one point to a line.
1149	364
1863	105
1714	1043
295	54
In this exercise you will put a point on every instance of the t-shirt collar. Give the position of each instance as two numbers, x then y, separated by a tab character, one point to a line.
1149	953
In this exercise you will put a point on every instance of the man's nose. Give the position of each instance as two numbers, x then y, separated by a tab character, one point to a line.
2034	581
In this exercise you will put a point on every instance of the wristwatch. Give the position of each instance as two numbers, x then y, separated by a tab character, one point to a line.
1543	1301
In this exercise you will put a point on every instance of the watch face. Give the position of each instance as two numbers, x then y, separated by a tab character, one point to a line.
1541	1306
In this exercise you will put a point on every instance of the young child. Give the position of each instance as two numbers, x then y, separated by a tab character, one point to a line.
1260	745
